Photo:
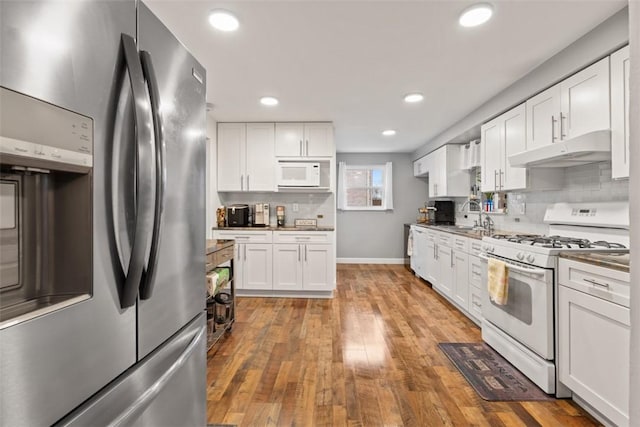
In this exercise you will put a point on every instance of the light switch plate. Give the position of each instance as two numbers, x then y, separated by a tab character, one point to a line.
305	222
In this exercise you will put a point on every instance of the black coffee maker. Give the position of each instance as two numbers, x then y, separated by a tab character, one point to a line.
443	212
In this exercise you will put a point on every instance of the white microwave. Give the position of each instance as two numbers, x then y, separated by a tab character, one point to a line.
298	174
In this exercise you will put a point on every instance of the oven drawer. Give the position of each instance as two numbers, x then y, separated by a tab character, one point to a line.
608	284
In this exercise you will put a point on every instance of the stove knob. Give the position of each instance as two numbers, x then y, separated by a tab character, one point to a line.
491	249
531	258
520	256
485	248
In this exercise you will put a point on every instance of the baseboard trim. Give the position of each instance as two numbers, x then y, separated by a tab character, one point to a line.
370	260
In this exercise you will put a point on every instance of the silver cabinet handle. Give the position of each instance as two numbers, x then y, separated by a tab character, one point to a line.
245	252
553	129
501	175
300	147
435	251
298	250
248	176
307	148
562	118
241	182
144	175
305	252
451	259
146	288
495	180
593	282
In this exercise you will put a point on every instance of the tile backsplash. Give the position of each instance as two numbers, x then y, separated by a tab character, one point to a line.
310	205
586	183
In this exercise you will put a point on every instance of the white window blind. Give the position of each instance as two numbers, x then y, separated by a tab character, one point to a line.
365	187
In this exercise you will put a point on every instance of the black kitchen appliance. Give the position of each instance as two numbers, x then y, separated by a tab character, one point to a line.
444	212
238	216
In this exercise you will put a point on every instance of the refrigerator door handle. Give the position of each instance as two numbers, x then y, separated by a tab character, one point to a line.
148	278
144	175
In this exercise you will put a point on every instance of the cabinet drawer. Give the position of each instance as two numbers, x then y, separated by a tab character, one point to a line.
475	246
444	239
461	243
217	258
608	284
475	302
302	237
475	271
241	236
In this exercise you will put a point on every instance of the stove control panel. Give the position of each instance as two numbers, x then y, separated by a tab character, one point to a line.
583	212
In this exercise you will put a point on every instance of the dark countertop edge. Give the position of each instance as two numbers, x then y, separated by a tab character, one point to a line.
287	228
616	261
215	245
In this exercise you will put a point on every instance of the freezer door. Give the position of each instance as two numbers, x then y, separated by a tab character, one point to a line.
167	388
178	288
68	54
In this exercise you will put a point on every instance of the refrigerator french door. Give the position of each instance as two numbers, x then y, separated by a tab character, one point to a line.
132	339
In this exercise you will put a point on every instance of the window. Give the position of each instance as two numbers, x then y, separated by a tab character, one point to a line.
364	187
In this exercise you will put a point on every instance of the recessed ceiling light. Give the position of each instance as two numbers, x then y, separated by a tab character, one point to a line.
223	20
476	15
269	100
413	97
389	132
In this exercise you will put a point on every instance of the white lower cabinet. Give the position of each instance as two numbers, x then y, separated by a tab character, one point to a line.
254	266
444	280
461	279
594	335
283	260
303	261
475	287
419	251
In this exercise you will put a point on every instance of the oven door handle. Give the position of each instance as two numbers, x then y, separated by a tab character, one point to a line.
514	267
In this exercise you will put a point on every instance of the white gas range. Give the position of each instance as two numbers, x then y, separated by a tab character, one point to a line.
523	331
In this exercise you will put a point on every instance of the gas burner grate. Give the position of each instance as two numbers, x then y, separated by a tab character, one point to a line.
557	242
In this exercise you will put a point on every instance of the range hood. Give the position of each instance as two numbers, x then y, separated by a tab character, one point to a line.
588	148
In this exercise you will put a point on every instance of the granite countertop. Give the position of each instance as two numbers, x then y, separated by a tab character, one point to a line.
286	228
616	261
466	232
214	245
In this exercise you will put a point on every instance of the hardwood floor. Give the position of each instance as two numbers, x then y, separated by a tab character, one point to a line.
368	357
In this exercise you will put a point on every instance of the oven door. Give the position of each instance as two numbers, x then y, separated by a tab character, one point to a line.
528	315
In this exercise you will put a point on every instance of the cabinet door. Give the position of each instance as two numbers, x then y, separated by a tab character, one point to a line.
238	266
431	263
260	171
289	139
421	258
543	114
436	166
490	155
318	268
444	281
461	279
594	352
513	141
585	101
287	266
318	140
620	69
231	156
258	266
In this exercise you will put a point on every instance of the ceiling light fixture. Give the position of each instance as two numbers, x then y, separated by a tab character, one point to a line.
476	15
389	132
269	101
413	97
223	20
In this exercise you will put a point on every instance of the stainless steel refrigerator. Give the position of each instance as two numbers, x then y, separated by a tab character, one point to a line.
102	157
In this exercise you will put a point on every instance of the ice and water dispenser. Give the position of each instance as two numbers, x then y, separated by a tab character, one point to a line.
46	166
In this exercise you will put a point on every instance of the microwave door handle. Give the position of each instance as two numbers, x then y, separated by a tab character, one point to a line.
144	177
148	278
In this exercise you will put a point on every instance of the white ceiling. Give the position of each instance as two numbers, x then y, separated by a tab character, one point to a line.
351	62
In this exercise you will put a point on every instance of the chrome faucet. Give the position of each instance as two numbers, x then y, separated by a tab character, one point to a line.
486	224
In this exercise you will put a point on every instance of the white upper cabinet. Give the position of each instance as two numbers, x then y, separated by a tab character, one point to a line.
446	178
620	69
246	157
575	106
231	156
304	140
501	137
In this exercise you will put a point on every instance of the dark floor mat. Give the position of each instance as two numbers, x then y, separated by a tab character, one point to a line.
492	377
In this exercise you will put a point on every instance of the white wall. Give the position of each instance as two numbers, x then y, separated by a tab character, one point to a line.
379	236
634	120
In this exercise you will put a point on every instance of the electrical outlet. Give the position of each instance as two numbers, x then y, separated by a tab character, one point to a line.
295	207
